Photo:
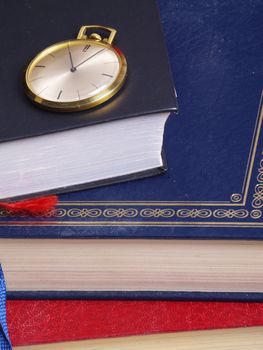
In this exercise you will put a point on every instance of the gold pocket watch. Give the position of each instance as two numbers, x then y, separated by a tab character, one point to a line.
78	74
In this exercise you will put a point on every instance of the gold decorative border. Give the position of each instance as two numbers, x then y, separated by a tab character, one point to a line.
198	210
143	213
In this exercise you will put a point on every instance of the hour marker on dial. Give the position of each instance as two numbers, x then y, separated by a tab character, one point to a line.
59	95
94	86
42	91
86	48
35	79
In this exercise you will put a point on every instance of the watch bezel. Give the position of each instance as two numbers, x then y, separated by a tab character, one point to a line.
83	104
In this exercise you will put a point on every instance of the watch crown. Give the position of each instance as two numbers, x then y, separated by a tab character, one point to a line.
95	36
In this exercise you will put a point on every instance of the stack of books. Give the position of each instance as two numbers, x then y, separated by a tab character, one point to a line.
192	233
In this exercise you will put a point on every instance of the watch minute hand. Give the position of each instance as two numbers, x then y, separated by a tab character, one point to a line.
71	60
89	58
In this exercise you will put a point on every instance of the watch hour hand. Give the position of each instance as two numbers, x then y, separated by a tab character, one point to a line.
89	58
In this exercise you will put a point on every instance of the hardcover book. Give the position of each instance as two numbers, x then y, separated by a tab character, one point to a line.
30	320
48	151
212	190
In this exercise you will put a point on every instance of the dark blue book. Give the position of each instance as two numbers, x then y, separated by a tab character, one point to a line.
211	196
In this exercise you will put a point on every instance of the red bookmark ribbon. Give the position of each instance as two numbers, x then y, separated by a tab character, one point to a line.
33	206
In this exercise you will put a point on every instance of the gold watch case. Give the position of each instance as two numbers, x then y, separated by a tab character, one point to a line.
95	100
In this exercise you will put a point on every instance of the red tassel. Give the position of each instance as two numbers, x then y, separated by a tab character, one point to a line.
32	206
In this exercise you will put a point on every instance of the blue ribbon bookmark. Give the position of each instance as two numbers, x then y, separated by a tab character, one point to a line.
5	343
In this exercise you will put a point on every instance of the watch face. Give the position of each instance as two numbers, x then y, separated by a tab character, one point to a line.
76	74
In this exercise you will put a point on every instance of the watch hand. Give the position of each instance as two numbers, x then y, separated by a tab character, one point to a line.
88	58
73	69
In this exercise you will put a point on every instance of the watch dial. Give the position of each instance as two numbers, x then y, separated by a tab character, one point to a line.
73	71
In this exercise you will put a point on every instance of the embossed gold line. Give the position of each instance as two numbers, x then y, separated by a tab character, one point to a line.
260	107
126	203
135	223
253	156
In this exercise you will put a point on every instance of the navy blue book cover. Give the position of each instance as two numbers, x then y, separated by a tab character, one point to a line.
214	185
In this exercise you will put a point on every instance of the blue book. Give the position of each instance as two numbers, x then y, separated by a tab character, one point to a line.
213	188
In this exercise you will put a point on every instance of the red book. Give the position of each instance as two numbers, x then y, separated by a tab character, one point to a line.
44	321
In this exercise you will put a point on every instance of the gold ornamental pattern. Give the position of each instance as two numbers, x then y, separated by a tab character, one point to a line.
194	213
120	213
236	197
258	193
231	213
157	213
165	213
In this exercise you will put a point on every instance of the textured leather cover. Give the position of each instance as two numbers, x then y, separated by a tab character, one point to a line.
44	321
28	27
213	188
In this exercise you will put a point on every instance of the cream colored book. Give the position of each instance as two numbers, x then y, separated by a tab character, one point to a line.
225	339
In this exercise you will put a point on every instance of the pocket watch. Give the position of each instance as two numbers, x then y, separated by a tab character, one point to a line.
78	74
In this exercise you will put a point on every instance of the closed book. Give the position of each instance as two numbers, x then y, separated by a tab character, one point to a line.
45	151
195	232
137	317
